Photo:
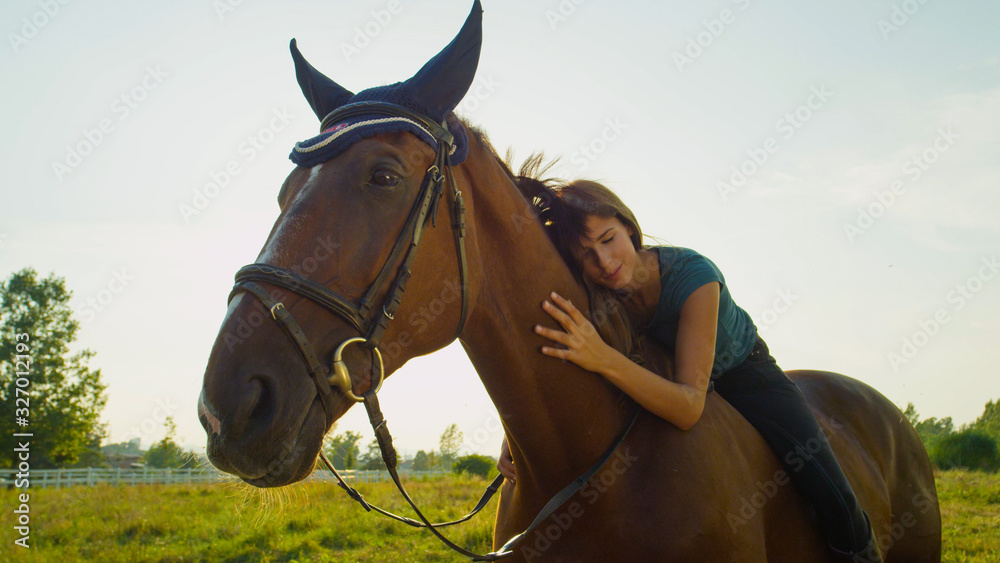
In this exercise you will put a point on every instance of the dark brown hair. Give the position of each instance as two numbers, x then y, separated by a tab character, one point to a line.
563	209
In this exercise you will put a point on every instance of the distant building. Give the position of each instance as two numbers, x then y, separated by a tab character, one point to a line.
125	461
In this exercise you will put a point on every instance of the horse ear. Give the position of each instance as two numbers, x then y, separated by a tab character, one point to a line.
324	95
441	83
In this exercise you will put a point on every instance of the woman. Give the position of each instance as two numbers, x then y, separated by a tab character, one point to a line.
680	298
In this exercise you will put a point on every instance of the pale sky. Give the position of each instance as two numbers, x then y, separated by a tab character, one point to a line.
839	161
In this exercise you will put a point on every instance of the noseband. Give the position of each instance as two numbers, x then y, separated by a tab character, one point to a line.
368	316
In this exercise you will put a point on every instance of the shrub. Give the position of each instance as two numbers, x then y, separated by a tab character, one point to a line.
970	449
474	464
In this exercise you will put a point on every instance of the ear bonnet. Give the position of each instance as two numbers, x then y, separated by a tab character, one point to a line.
433	91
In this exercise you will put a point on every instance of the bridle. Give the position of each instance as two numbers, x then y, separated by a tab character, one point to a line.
371	321
365	315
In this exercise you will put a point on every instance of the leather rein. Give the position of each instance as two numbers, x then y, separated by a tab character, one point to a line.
371	321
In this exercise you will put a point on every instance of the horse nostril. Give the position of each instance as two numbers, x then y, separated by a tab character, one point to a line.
264	406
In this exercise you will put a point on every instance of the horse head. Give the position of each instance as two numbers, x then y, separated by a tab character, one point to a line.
308	330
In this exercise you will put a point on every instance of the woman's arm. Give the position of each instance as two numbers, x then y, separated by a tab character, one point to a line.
680	402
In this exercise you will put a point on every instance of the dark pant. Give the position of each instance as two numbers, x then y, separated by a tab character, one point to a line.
771	402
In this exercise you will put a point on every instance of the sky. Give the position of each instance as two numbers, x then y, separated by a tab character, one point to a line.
837	160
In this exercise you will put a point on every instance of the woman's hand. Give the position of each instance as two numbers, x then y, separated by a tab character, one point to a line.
505	463
583	345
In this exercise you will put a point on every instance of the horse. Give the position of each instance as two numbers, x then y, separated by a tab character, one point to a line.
328	288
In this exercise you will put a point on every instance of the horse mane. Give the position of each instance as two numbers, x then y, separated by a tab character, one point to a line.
606	312
529	176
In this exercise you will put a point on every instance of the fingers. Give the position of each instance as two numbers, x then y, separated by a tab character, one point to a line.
568	306
553	334
561	353
505	464
558	314
569	341
565	313
572	321
562	311
506	469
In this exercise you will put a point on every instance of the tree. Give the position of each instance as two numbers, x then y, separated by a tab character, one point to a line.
372	458
343	449
166	452
451	441
474	465
989	422
433	460
421	461
969	449
130	447
57	396
931	429
93	455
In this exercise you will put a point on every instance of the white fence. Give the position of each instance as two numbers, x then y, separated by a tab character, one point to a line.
59	478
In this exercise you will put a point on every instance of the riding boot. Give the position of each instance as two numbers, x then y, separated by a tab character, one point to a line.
868	554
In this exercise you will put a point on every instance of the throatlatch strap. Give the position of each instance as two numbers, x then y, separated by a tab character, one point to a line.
458	228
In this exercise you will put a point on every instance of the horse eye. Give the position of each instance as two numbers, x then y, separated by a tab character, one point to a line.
384	179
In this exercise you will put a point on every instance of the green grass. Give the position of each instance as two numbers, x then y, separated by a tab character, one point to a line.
317	522
234	522
970	513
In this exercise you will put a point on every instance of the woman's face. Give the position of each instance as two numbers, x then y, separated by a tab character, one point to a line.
606	254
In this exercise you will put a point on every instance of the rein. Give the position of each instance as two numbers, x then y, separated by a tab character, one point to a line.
371	322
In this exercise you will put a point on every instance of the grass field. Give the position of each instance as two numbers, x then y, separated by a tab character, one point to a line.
317	522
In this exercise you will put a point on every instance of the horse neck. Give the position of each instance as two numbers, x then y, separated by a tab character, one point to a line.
558	417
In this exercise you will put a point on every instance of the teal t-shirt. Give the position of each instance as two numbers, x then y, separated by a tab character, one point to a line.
682	271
